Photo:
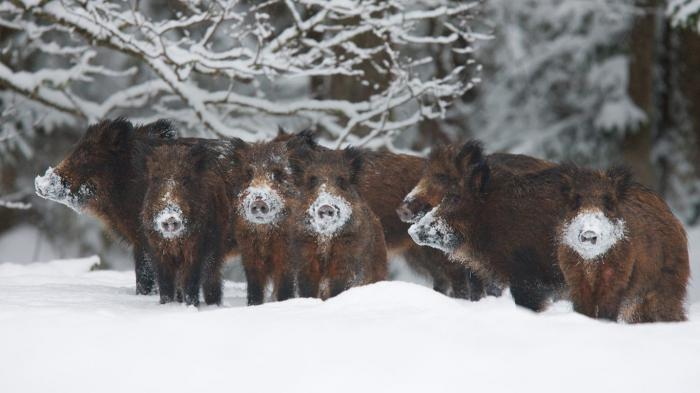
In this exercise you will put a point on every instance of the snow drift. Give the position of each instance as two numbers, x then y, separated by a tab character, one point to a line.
64	328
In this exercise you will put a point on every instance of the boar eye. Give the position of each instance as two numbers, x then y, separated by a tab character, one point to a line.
277	175
452	198
342	183
249	174
577	201
442	179
608	202
313	181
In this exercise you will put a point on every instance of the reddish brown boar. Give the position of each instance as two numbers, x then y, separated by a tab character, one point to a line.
623	253
261	187
501	226
384	179
185	218
98	177
337	241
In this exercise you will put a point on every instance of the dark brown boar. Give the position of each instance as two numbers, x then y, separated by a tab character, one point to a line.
501	226
384	179
185	218
439	173
623	253
98	177
261	187
337	242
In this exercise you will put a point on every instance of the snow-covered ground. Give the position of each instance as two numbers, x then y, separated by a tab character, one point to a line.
64	328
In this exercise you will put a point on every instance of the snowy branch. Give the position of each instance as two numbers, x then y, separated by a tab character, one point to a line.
209	63
684	13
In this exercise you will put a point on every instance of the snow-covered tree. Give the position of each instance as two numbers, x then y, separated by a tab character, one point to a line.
556	78
237	67
684	13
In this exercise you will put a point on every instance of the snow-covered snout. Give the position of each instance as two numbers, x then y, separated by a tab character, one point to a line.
57	188
328	213
169	222
168	218
433	231
261	205
591	233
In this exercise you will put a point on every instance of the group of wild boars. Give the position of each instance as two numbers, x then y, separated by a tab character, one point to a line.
608	243
314	222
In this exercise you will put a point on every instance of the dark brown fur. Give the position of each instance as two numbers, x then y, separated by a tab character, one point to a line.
643	277
356	253
102	162
503	227
384	179
263	247
187	176
439	173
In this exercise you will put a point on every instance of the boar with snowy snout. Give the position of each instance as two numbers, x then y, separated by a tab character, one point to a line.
501	226
623	253
440	173
384	179
98	177
337	240
261	188
185	218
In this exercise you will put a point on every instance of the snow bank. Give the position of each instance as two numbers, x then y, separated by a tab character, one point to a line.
66	329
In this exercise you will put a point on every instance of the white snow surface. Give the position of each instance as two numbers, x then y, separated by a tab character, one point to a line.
52	188
64	328
433	231
327	227
608	233
266	194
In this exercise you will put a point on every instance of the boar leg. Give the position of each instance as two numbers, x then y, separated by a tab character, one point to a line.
255	277
166	279
145	277
309	279
525	284
211	280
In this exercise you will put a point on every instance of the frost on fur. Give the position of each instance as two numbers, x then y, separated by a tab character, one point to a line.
433	231
324	222
274	205
591	234
169	222
52	187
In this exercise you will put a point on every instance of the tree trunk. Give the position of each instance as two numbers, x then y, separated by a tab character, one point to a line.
637	143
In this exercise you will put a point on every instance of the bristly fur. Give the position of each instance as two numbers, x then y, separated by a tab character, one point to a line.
473	150
354	252
643	276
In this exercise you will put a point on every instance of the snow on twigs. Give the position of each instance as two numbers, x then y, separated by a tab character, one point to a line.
212	64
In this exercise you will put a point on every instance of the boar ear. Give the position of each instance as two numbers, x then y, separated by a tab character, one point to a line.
470	154
480	176
202	158
354	158
160	129
305	140
238	146
567	173
141	151
621	178
281	133
120	132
